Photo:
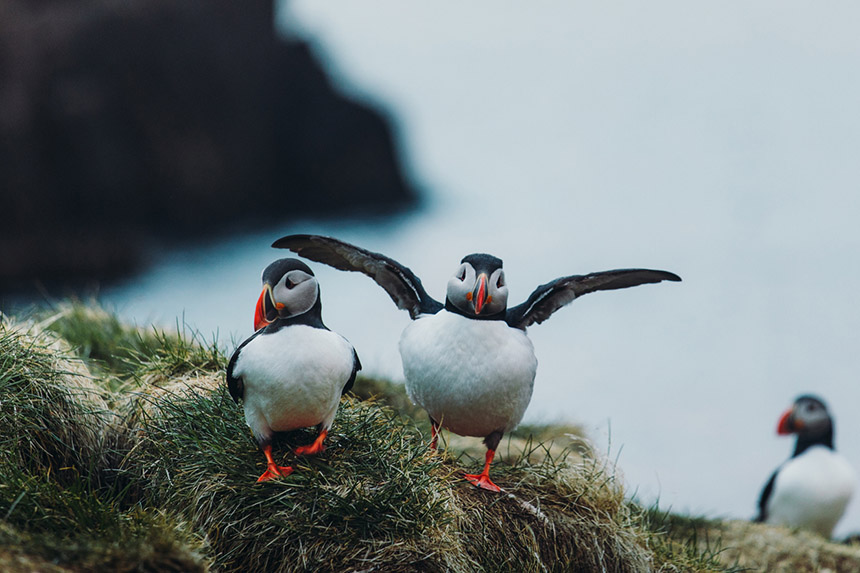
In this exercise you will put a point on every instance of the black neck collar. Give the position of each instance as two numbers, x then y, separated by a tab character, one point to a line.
451	307
805	442
312	317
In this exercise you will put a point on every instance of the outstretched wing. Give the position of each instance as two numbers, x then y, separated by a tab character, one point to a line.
548	298
399	282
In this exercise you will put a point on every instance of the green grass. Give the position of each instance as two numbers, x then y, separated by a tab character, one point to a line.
684	543
375	486
120	353
48	402
120	449
73	523
60	499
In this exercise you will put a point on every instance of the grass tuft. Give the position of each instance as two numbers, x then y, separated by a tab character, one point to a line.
374	486
52	416
60	501
128	356
684	543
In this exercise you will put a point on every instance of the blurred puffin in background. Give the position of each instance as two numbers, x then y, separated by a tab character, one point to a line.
467	362
292	371
812	489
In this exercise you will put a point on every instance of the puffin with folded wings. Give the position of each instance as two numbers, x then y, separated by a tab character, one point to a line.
813	487
467	362
292	371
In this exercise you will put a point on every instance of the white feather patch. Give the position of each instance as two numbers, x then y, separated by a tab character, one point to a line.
811	491
293	378
472	376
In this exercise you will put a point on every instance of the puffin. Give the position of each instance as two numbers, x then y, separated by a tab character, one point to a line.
292	371
812	489
468	361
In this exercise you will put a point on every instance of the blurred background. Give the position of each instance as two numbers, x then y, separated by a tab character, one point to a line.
152	151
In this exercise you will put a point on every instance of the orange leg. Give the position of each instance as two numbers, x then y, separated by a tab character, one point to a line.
273	470
482	480
434	434
315	448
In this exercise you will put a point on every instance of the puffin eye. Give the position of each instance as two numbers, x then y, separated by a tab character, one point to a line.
462	274
288	283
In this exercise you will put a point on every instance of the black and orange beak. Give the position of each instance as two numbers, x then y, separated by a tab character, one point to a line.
267	309
479	295
787	423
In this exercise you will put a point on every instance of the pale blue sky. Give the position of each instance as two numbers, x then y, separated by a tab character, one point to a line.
720	141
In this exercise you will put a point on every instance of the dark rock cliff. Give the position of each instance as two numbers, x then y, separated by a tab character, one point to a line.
122	121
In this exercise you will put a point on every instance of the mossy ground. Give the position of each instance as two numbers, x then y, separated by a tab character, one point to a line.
121	450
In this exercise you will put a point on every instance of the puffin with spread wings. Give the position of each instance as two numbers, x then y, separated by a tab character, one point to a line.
467	362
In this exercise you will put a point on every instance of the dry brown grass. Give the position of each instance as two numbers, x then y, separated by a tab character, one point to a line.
760	547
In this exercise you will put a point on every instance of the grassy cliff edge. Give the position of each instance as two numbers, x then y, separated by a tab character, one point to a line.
121	450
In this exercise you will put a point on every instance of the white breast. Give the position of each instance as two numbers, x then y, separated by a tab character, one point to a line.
811	491
472	376
293	378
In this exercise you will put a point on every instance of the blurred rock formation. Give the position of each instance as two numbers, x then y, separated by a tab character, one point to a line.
128	121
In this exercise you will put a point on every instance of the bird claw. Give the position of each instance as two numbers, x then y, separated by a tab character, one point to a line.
317	447
311	449
482	481
274	471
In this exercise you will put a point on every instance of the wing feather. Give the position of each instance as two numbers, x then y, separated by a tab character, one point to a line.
401	284
765	498
549	297
356	366
235	384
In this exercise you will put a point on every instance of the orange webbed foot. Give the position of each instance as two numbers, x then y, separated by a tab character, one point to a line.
482	481
315	448
274	471
311	449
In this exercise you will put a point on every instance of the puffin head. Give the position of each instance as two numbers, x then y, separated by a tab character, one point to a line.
478	288
289	289
808	415
809	419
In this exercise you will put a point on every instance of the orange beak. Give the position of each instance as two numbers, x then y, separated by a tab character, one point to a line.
785	425
267	309
480	293
260	314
